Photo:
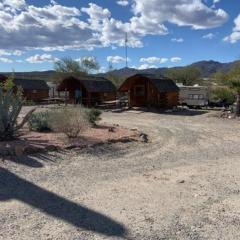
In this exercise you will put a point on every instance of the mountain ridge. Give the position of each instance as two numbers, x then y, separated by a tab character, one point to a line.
207	67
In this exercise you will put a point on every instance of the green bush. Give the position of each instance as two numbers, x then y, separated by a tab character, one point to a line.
93	115
10	107
222	94
39	121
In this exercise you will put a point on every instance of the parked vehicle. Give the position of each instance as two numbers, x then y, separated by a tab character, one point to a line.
193	96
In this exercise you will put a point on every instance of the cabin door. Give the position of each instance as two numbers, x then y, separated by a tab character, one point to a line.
138	95
163	100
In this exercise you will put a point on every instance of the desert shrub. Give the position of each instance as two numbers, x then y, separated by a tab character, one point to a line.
70	121
11	103
93	115
222	94
39	121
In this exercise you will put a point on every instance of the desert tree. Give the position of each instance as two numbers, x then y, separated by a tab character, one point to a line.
186	75
70	67
232	80
67	67
89	64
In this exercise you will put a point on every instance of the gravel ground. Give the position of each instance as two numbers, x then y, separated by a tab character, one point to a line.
184	184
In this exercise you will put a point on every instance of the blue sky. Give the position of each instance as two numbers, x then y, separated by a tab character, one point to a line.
162	33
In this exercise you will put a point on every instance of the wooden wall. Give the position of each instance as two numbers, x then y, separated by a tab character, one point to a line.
152	96
35	95
138	101
173	99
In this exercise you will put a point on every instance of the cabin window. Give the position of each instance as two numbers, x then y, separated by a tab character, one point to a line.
139	90
196	96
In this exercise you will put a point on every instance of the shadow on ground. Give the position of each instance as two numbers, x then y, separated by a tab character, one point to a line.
185	112
15	187
178	112
33	161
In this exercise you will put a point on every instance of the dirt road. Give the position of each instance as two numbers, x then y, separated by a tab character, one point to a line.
184	184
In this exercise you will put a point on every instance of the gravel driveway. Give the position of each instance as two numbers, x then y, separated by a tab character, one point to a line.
184	184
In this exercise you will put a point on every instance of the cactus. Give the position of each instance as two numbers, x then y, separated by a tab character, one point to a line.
10	106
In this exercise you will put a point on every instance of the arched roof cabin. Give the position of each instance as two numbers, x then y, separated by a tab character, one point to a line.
149	90
94	90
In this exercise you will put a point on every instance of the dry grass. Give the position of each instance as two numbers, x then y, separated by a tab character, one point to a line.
70	121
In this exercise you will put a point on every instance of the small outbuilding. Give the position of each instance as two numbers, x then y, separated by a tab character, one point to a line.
93	90
33	90
149	90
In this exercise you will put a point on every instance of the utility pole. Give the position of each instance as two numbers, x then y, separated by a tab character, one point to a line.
110	66
126	49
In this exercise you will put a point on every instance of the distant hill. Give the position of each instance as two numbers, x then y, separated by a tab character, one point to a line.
207	68
126	72
38	75
210	67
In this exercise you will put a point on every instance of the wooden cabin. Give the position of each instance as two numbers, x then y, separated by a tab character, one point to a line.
94	90
145	90
33	90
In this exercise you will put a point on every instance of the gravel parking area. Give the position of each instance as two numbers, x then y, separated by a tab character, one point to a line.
183	184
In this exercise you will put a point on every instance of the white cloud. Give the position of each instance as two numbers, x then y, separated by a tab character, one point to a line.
102	70
9	53
215	2
41	58
17	53
5	60
50	27
193	13
146	66
123	3
175	59
15	4
235	35
209	36
157	60
57	27
152	60
117	59
108	30
178	40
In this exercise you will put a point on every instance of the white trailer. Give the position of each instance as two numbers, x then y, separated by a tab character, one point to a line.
193	96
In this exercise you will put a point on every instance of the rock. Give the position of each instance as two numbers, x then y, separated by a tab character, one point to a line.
144	137
19	150
76	146
181	181
112	129
51	148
